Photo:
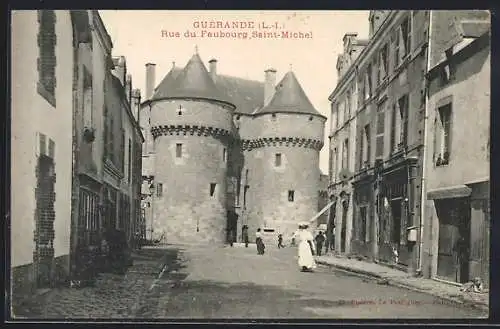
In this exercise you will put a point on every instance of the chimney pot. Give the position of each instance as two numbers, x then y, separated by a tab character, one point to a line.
150	79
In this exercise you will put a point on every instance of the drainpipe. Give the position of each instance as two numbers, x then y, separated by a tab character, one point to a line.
424	156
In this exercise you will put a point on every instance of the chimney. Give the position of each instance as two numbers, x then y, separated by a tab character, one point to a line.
213	69
120	68
150	79
173	65
269	85
136	103
128	88
348	37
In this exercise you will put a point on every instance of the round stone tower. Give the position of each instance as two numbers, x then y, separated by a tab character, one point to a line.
281	146
191	122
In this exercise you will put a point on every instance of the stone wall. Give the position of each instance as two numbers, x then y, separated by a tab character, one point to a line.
185	210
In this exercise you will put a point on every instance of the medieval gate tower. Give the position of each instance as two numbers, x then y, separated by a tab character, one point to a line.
224	145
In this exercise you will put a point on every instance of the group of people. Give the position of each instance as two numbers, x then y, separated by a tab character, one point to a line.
308	245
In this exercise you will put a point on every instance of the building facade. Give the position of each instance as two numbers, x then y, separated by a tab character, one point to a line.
61	64
390	122
228	152
41	170
341	140
456	234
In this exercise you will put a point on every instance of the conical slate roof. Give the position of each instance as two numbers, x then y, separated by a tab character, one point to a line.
290	98
193	81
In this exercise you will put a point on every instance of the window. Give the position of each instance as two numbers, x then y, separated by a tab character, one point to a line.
47	55
159	190
406	34
129	160
245	190
345	154
122	151
333	123
384	62
178	150
366	137
212	188
110	139
348	104
291	195
87	98
361	150
379	140
277	160
376	68
106	132
336	163
224	155
395	44
369	78
273	117
444	136
403	111
394	119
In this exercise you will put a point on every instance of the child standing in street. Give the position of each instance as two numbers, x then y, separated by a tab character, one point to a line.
280	241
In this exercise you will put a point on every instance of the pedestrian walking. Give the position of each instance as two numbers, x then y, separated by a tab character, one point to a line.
260	244
280	241
245	235
320	239
306	248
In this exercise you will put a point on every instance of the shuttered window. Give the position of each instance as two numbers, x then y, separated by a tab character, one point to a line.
367	138
379	140
394	116
47	55
403	109
361	148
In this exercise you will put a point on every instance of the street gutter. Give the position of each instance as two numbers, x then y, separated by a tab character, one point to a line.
458	299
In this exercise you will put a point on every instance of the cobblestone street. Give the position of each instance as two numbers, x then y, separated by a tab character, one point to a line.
201	282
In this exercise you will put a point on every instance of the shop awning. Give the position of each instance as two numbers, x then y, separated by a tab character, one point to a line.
458	191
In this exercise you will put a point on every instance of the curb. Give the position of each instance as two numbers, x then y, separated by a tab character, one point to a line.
395	283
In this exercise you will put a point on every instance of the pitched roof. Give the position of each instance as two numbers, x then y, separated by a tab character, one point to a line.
246	95
192	82
289	98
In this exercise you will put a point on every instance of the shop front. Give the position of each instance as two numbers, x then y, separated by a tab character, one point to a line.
393	218
363	221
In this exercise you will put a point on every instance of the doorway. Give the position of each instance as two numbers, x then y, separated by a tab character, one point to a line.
396	229
232	227
345	208
454	239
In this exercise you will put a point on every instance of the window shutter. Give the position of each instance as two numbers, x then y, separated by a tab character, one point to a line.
379	147
361	147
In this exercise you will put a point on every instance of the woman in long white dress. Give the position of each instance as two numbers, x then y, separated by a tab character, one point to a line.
306	248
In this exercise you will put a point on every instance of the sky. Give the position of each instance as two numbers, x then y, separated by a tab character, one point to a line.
163	37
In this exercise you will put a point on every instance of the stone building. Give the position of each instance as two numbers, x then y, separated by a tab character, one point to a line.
224	152
389	141
60	61
341	140
106	137
457	161
41	166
